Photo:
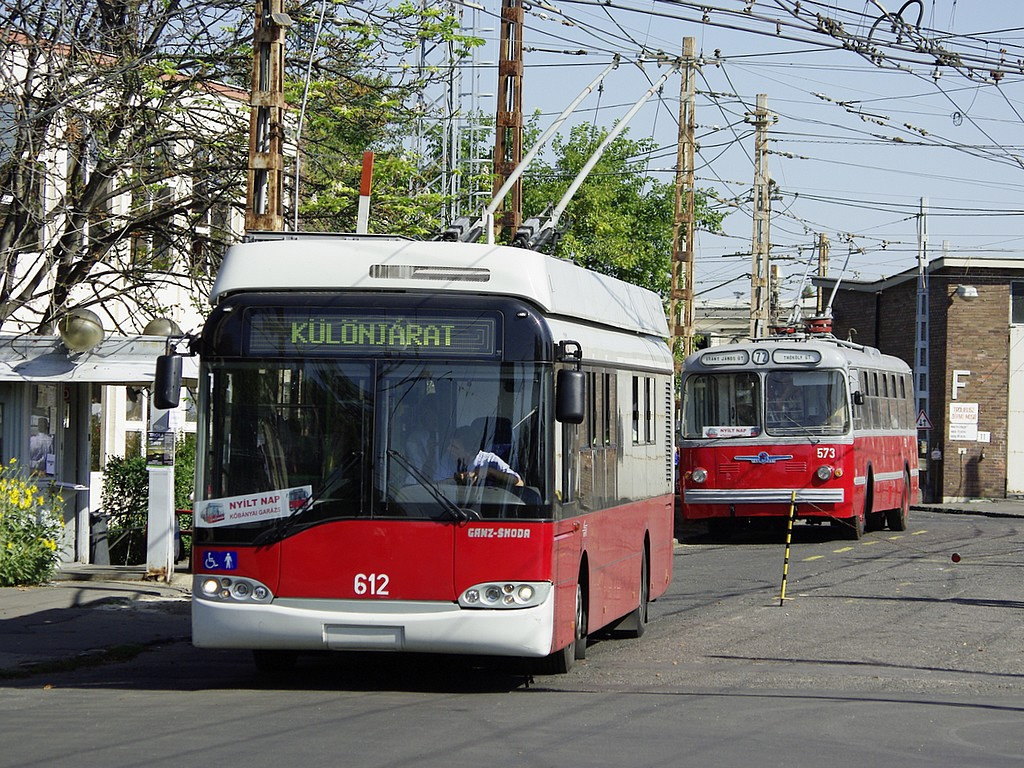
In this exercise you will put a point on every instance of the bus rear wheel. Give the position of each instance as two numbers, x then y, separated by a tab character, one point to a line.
636	622
897	519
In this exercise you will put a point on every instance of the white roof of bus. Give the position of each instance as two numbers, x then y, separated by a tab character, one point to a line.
308	262
834	353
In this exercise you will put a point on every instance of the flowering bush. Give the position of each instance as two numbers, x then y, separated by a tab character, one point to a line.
30	528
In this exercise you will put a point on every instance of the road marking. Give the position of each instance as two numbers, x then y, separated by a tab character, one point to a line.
813	557
918	533
868	543
842	549
897	536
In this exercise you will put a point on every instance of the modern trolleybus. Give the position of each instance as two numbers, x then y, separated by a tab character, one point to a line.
335	371
806	414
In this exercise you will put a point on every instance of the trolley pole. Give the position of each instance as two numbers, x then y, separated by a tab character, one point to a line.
789	540
822	271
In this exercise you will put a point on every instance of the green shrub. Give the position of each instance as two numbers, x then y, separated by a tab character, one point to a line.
30	527
126	501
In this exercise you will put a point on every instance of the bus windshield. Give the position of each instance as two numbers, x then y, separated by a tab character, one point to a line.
355	439
805	402
722	405
728	405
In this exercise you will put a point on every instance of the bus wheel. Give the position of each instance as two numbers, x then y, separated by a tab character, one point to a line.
853	527
561	661
897	518
635	623
579	644
270	662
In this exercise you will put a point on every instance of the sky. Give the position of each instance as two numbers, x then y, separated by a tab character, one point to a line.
935	113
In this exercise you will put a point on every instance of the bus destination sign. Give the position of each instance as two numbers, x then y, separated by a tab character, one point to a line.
291	333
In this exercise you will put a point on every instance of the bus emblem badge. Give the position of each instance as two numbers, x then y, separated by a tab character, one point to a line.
762	458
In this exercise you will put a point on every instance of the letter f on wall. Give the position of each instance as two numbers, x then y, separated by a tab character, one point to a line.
958	374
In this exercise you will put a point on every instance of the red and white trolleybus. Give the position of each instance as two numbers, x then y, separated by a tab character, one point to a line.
427	446
829	421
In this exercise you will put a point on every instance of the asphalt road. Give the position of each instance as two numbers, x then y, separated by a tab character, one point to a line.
886	653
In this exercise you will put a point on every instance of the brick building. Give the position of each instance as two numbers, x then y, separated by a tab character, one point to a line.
975	366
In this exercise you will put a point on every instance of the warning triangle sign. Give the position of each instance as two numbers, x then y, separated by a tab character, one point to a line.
923	422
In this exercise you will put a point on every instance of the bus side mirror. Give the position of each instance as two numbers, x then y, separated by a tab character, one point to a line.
167	385
570	404
858	398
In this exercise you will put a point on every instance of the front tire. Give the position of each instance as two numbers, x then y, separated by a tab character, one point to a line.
561	661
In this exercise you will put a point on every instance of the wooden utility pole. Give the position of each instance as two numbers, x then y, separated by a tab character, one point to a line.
759	288
264	202
681	295
508	133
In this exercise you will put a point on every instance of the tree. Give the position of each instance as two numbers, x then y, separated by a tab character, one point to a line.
125	147
619	222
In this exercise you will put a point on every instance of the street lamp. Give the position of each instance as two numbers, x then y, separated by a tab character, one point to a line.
80	329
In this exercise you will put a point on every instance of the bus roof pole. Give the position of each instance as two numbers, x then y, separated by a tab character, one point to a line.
556	214
519	170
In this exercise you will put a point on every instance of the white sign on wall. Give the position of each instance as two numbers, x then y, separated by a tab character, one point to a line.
963	421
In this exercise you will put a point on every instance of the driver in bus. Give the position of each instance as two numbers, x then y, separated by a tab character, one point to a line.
468	466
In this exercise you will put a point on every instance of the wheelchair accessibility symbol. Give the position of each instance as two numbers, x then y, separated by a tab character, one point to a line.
220	561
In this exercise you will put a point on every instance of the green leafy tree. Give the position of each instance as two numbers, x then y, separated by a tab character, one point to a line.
620	220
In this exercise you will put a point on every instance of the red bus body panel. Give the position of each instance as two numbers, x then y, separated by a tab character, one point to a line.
381	560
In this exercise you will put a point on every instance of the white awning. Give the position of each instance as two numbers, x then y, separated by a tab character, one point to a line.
117	360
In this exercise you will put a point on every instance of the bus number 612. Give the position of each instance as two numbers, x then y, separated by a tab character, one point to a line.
371	584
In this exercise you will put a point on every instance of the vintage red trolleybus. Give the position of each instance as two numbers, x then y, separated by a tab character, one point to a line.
427	446
829	421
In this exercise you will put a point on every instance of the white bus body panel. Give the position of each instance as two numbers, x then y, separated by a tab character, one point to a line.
372	625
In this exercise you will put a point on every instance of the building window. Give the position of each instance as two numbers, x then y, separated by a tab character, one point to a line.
1017	303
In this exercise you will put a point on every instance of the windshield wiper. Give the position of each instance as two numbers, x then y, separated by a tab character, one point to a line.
284	525
453	509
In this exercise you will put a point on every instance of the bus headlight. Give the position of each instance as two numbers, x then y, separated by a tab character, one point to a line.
699	475
231	589
505	594
824	472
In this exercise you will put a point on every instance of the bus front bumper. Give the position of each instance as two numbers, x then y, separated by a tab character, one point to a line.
373	625
763	495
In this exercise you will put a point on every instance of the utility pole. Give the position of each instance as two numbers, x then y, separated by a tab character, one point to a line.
759	288
508	131
822	271
922	329
264	202
684	220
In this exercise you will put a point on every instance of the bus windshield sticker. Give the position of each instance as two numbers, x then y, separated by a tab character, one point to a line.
731	431
251	508
299	333
220	561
